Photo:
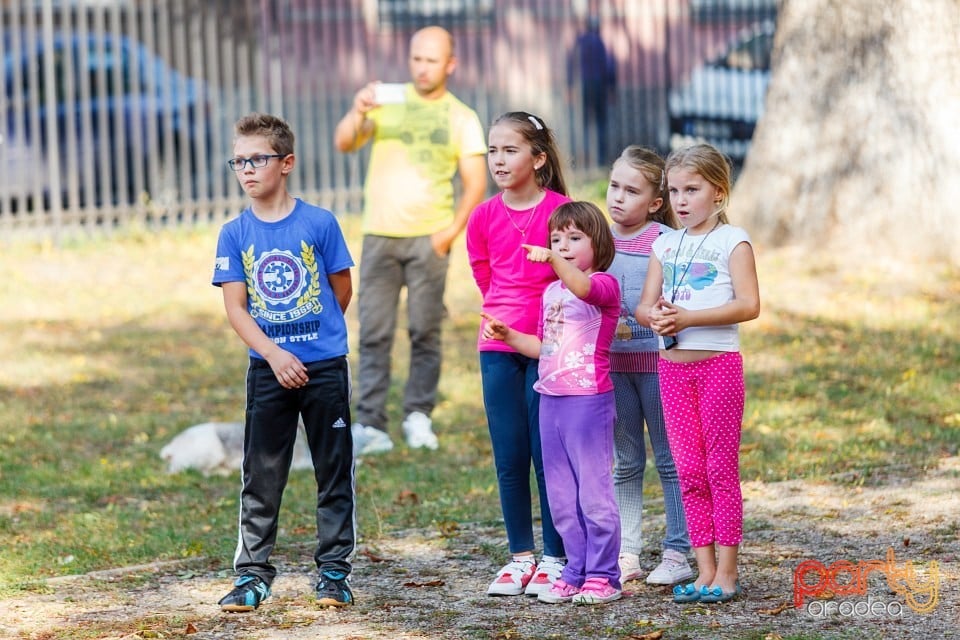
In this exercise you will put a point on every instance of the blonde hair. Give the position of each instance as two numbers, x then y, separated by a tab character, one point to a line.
651	166
708	162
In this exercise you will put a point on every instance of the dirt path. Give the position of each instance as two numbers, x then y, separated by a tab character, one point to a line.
424	585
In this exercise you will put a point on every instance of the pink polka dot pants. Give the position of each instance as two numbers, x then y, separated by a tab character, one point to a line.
703	409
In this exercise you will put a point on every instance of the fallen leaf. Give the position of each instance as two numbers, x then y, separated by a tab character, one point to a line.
372	557
190	629
653	635
432	583
776	610
407	497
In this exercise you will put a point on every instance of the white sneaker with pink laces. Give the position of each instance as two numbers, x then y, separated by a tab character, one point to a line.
513	578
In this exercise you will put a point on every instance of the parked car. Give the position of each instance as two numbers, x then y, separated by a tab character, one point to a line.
723	99
122	114
706	10
420	12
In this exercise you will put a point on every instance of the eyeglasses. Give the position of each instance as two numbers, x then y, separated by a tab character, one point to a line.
257	161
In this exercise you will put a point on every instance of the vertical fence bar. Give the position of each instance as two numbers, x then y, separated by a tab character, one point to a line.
51	125
164	129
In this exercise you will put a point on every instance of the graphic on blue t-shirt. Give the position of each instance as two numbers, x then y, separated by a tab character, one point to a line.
279	276
278	279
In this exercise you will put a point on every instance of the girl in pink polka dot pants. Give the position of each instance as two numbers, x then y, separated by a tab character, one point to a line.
701	283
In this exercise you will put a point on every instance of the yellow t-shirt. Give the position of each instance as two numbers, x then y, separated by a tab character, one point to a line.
417	145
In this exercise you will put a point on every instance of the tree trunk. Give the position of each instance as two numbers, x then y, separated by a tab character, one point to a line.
861	134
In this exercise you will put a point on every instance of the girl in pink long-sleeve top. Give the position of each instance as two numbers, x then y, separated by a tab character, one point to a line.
525	164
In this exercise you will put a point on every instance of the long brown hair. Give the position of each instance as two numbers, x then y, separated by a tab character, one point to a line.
541	140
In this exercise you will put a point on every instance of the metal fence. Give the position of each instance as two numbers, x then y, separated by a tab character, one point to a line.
120	112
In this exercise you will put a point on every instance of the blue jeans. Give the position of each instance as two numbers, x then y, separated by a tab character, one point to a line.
513	417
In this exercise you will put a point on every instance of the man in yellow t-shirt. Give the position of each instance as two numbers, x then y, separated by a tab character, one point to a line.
421	139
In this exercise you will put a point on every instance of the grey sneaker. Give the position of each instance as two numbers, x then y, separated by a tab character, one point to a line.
333	590
369	440
671	570
247	594
418	429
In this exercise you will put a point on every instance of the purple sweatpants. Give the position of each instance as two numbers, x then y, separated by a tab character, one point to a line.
703	409
576	434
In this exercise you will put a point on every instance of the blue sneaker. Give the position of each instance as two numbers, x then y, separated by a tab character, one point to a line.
248	592
333	590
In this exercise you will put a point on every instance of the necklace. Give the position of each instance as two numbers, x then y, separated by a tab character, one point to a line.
678	281
522	230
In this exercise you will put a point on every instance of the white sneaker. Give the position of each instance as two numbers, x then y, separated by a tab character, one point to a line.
673	569
417	428
548	571
369	440
629	567
512	579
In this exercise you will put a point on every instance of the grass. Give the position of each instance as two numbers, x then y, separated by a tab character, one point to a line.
112	347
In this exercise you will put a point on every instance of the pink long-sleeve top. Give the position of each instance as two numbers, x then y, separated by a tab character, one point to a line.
510	284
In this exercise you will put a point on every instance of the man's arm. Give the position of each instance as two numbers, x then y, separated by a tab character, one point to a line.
355	129
473	179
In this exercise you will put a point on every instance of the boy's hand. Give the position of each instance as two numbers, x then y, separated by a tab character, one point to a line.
290	372
494	329
536	253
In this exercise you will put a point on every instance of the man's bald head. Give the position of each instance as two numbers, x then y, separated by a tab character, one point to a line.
431	61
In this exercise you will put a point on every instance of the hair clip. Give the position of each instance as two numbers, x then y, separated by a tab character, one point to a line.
535	122
663	179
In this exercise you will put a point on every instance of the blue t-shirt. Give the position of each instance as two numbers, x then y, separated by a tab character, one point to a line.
285	265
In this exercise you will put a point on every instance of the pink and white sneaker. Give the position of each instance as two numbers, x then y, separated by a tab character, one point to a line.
513	578
559	592
597	591
548	571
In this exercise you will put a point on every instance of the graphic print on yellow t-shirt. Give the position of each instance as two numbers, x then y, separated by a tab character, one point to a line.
417	145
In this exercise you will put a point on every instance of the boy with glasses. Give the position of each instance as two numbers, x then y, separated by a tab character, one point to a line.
284	270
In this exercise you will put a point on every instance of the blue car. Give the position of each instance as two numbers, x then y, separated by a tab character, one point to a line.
117	121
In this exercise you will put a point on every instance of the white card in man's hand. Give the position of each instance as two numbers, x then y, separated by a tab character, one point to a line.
389	93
